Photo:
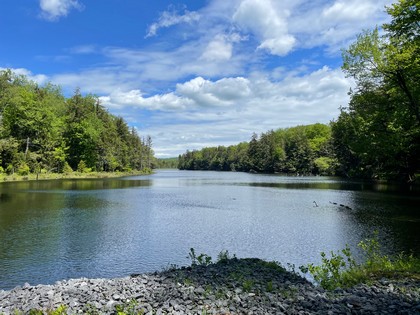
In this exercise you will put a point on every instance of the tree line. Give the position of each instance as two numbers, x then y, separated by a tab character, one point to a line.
43	131
376	136
167	163
296	150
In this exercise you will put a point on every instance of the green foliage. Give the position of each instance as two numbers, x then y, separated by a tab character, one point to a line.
292	151
248	285
378	135
82	168
167	163
129	308
330	273
224	256
201	260
23	169
325	165
340	269
67	168
10	169
61	310
45	130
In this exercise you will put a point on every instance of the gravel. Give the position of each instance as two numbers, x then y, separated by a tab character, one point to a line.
235	286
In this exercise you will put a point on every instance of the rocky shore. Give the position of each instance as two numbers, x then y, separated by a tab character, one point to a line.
234	286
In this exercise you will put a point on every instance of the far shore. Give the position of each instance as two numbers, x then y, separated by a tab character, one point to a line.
72	175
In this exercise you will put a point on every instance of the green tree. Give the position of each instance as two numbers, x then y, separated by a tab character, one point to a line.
42	129
378	135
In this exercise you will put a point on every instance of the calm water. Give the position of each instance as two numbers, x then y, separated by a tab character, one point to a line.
53	230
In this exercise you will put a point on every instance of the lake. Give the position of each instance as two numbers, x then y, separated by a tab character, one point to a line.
61	229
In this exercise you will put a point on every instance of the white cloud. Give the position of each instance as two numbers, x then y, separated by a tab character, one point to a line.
170	18
38	78
217	50
224	92
202	112
96	80
134	98
220	48
268	23
264	105
52	10
192	95
343	11
335	24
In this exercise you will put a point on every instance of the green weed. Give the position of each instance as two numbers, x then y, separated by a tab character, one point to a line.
224	256
202	259
340	269
129	308
247	285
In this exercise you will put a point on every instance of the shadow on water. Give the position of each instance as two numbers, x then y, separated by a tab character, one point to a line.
74	184
336	184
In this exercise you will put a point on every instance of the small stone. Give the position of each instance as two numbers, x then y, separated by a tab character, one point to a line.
354	301
237	299
199	290
116	297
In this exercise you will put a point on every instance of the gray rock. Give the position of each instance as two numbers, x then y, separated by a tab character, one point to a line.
116	297
212	289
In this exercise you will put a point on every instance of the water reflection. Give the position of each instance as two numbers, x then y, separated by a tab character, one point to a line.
74	184
337	184
53	230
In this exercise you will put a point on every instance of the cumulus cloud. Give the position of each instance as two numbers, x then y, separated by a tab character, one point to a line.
248	105
191	95
268	23
52	10
134	98
224	92
170	18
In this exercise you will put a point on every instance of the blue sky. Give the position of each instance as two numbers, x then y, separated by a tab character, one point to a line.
192	73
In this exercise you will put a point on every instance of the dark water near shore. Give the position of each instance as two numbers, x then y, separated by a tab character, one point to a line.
53	230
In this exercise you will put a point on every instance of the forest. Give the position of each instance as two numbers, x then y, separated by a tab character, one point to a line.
296	150
42	131
376	136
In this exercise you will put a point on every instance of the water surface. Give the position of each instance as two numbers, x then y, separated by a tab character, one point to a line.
53	230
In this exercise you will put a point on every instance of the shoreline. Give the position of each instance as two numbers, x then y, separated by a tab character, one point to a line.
232	286
73	175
